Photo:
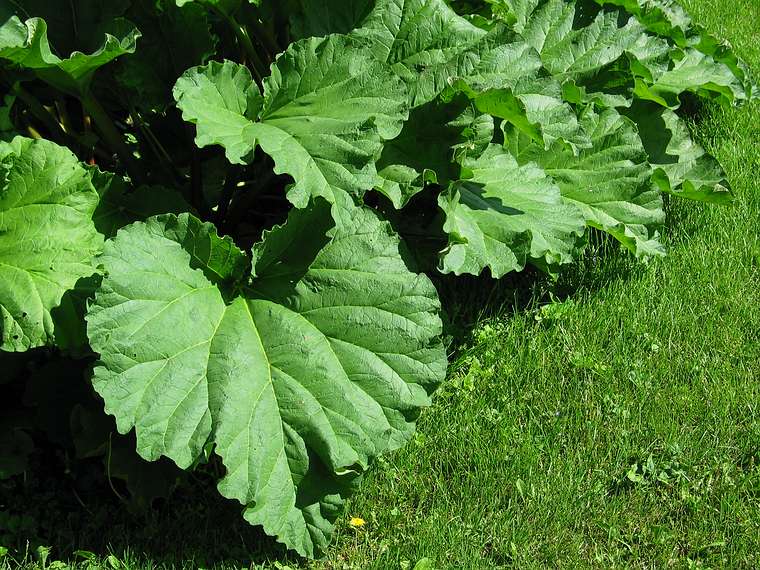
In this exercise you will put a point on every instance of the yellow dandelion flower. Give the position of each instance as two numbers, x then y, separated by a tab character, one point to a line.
357	522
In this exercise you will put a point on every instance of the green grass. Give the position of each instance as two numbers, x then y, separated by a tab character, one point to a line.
616	428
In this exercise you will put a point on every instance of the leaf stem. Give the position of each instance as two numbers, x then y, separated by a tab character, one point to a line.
244	40
158	149
63	114
111	135
56	132
253	56
227	192
33	133
262	34
196	182
108	470
42	114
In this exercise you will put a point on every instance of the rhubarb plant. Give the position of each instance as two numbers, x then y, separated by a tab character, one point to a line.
227	206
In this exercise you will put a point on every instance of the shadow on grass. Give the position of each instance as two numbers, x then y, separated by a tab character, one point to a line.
468	300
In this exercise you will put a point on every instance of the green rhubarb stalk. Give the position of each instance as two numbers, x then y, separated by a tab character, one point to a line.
111	135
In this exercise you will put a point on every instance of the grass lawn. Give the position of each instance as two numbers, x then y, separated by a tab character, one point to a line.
617	427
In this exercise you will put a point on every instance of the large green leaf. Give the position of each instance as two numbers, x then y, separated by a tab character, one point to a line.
47	237
682	167
119	205
319	365
663	17
26	45
504	63
508	83
588	54
535	107
74	25
425	41
568	51
503	215
327	108
668	19
692	71
610	182
222	100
